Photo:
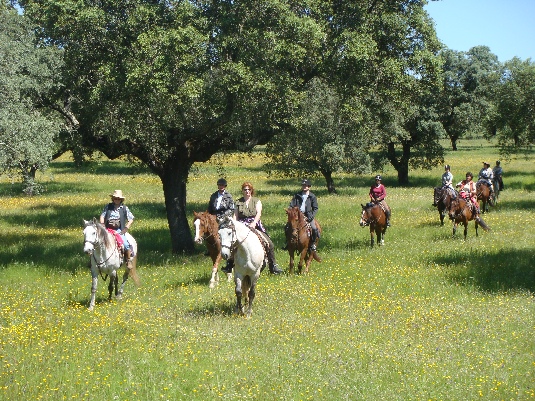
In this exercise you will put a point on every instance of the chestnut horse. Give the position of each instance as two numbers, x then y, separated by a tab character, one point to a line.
298	233
206	229
374	216
442	199
461	211
483	194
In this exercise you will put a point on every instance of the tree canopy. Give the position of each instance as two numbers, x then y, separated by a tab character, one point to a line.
28	75
173	82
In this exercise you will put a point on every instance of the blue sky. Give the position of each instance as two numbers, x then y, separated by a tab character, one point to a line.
507	27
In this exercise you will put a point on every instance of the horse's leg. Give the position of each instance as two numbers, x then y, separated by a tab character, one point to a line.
121	288
215	277
372	236
94	284
252	293
110	287
302	259
477	225
381	236
454	229
465	230
442	213
238	292
292	255
246	288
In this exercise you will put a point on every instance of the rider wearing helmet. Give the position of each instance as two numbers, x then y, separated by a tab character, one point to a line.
378	195
308	203
221	204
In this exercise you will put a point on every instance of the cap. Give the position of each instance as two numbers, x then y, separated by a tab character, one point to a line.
222	181
306	182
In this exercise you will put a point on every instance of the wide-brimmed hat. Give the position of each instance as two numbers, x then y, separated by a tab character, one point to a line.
118	194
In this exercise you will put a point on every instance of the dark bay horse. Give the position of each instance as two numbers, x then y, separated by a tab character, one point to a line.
206	229
461	211
297	232
483	194
442	199
374	216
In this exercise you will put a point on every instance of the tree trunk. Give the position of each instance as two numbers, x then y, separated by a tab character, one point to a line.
329	181
174	178
401	165
453	139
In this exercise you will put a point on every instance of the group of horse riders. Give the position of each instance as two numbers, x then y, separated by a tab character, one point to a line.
248	209
468	188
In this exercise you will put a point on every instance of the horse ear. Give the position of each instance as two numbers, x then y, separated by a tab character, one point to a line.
84	223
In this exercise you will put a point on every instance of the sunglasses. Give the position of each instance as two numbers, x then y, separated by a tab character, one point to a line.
247	189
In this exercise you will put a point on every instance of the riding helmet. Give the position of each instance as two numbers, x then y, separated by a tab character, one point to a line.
222	181
447	167
378	177
497	162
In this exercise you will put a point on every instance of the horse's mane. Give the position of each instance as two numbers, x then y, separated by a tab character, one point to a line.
104	234
294	213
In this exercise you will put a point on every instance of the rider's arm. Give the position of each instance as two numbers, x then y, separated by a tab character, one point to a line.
258	215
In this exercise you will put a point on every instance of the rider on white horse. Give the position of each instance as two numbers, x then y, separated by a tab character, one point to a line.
117	217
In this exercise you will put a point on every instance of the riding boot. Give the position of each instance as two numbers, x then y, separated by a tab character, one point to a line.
272	263
313	236
228	268
128	258
388	218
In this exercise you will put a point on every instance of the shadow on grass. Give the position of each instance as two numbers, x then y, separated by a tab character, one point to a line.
494	272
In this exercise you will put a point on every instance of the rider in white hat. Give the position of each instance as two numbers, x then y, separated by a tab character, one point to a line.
116	216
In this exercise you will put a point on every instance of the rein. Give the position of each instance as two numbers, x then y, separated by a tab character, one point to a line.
234	244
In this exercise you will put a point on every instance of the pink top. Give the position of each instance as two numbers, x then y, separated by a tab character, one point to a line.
377	193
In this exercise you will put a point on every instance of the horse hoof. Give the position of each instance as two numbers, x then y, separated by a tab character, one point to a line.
212	284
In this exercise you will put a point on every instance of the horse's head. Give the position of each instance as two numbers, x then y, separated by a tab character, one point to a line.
366	216
227	235
90	236
200	224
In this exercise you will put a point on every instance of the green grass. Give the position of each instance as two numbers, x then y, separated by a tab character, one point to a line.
426	317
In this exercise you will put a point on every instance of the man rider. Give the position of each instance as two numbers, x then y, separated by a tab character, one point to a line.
498	171
308	204
486	175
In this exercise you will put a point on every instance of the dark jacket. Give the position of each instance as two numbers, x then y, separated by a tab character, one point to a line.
225	208
311	204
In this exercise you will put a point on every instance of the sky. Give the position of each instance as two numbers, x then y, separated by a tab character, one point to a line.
507	27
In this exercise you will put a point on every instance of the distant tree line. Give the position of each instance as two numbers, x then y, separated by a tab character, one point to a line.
327	86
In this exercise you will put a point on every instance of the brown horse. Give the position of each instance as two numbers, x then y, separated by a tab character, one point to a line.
462	212
206	229
441	199
374	216
483	194
298	233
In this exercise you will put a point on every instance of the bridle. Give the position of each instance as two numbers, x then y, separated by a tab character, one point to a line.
234	239
97	243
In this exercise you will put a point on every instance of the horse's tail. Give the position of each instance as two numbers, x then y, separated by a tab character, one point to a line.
133	272
316	256
483	225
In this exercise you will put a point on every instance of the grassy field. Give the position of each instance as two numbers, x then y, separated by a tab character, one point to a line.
426	317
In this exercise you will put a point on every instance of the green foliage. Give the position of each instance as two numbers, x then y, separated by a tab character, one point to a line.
470	80
515	114
426	317
28	74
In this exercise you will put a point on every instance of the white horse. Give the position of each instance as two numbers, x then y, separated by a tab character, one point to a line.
106	258
243	243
